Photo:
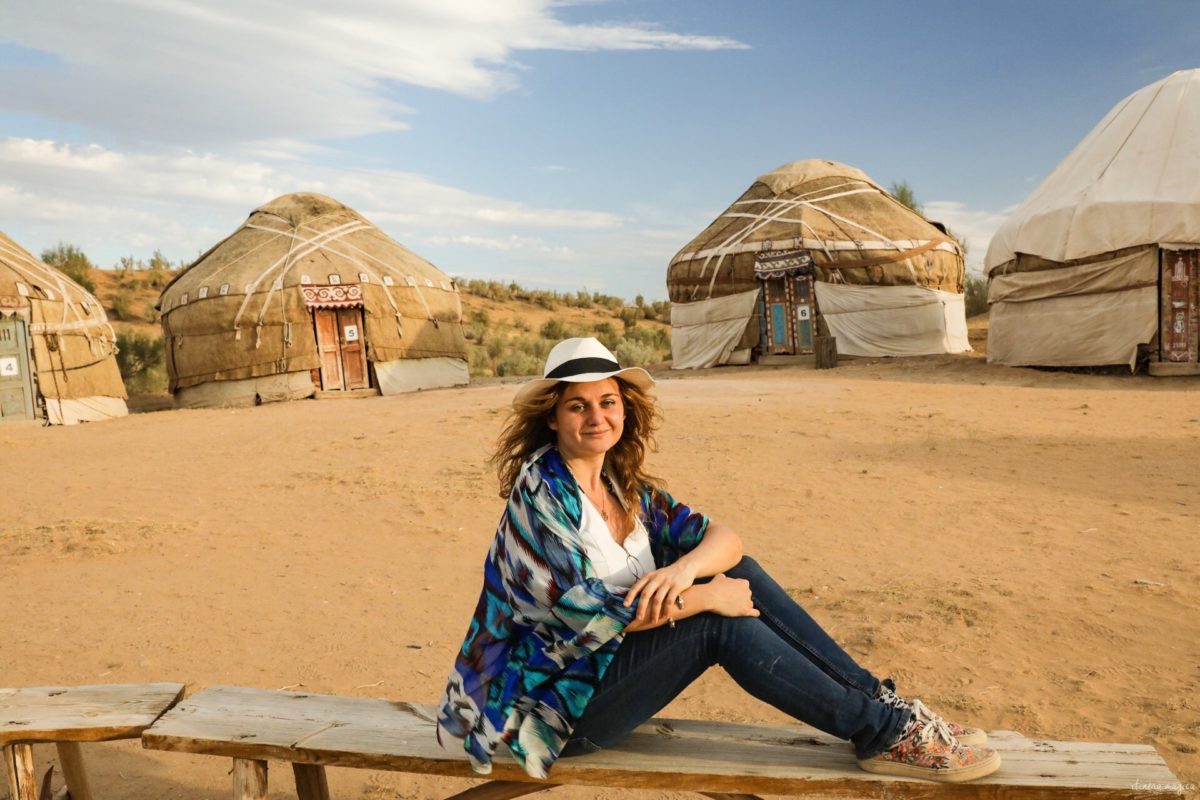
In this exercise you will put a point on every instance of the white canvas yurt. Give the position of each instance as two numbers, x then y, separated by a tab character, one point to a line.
306	298
816	248
57	350
1102	260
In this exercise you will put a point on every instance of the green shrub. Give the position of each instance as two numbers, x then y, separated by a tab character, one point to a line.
140	359
72	262
976	295
635	354
122	305
554	330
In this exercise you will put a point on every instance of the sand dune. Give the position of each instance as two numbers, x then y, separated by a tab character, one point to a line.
978	533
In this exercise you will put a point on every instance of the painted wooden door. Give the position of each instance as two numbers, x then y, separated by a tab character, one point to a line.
329	350
16	379
1180	335
354	351
789	314
802	300
779	328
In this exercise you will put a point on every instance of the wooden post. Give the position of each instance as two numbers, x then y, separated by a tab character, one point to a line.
70	758
18	763
249	779
311	783
825	348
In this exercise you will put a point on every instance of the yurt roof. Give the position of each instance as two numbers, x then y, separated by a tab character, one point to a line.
833	211
21	273
301	238
813	204
1131	181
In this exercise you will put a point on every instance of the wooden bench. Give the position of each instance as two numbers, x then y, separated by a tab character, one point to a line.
720	760
68	715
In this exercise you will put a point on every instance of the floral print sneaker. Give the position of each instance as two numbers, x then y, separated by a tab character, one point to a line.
928	750
887	694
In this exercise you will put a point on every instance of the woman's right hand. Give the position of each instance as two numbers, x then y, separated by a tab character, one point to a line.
730	597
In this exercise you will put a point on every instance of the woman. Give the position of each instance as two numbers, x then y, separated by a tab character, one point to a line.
604	597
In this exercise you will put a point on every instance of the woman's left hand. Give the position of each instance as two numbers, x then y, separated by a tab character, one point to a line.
660	592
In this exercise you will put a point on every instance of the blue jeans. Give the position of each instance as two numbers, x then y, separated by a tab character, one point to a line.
782	657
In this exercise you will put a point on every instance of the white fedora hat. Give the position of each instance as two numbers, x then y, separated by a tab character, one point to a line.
578	361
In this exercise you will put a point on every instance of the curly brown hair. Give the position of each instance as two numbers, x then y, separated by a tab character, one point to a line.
527	429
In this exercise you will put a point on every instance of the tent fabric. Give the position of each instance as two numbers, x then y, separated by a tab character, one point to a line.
411	374
247	392
1097	312
73	345
1130	181
893	320
239	312
705	333
853	231
1085	243
84	409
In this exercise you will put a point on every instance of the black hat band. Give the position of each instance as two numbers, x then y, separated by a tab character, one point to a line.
582	366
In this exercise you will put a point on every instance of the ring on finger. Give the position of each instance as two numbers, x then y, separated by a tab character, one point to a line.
679	602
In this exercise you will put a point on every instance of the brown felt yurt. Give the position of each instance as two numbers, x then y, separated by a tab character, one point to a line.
816	248
1100	264
57	350
309	298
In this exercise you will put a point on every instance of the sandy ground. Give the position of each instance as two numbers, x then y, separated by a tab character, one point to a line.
979	533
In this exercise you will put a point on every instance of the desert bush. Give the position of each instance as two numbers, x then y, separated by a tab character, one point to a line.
140	359
71	261
554	330
478	363
122	305
635	354
629	315
976	295
656	338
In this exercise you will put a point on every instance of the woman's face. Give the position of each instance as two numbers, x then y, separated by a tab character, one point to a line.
588	418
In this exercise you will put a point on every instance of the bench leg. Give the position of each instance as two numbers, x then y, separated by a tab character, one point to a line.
501	790
311	783
249	779
18	763
71	760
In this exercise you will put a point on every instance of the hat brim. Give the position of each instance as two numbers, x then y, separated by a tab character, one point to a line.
539	386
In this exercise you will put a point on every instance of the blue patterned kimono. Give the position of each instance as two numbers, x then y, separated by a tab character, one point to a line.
545	628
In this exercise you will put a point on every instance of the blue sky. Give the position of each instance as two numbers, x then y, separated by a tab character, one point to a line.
559	144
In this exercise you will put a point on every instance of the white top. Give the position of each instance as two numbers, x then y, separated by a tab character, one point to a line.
612	563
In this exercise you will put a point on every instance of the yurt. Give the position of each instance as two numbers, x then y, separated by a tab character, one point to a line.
309	298
1102	260
57	350
816	248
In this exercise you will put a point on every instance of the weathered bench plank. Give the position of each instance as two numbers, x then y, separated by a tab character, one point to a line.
663	754
68	715
83	713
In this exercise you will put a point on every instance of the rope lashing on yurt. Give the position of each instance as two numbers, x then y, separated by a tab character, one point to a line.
312	245
775	211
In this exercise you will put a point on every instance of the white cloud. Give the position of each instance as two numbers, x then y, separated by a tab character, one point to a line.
181	202
976	226
211	71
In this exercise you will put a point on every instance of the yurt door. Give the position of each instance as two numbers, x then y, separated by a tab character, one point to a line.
354	353
340	347
789	314
802	301
16	384
1181	305
779	330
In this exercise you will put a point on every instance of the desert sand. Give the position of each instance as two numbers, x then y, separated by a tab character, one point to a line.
1017	548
